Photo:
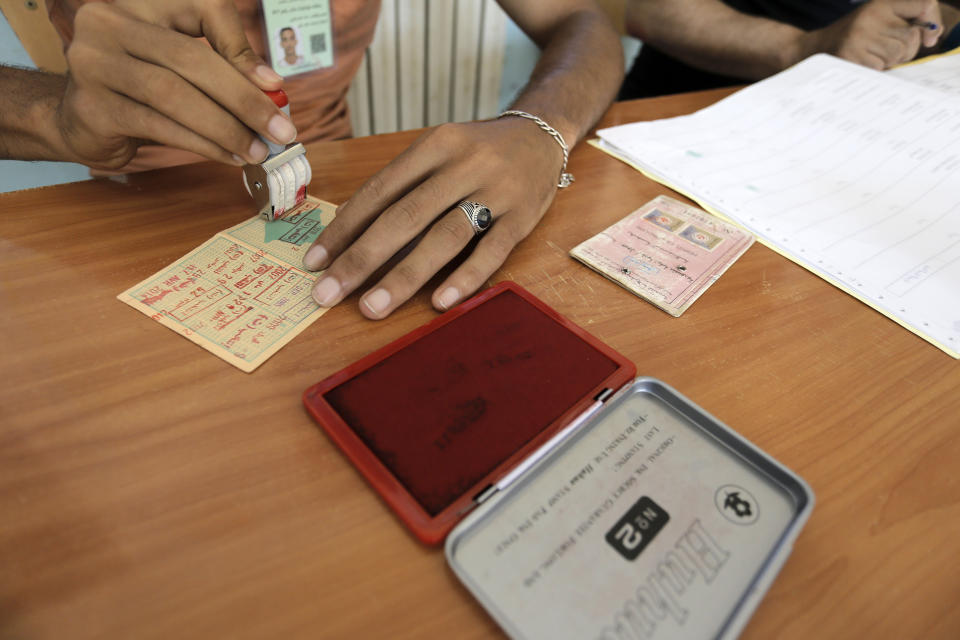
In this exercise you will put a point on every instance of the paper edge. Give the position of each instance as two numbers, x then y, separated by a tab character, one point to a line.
597	143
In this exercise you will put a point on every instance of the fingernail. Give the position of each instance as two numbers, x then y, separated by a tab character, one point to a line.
268	74
377	301
327	292
282	129
237	160
258	151
448	298
315	258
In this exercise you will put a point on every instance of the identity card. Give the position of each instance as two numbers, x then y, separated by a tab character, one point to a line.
666	252
243	294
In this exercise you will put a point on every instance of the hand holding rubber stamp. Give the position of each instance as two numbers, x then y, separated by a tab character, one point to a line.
141	74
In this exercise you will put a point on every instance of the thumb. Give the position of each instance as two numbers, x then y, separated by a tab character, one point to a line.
923	13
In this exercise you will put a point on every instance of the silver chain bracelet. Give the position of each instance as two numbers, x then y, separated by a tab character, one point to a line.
565	178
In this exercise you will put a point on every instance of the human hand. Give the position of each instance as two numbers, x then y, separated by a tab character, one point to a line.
138	72
509	165
880	34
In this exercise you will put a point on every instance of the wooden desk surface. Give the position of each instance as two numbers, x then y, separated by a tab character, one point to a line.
150	490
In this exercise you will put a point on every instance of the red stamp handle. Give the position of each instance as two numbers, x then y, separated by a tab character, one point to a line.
279	97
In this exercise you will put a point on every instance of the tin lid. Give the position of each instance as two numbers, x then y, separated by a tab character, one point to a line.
653	520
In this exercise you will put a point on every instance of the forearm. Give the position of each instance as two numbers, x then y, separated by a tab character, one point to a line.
709	35
578	74
28	115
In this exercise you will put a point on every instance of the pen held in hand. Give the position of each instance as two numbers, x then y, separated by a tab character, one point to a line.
923	24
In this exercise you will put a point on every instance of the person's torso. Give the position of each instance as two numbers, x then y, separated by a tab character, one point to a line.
318	98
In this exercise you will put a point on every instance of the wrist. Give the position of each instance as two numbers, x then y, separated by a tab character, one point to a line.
55	130
798	45
564	179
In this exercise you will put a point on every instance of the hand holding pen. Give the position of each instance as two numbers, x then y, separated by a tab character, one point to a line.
880	34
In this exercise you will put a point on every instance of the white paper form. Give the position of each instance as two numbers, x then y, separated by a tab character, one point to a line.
940	72
851	173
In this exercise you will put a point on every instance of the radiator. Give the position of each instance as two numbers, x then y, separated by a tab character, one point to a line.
430	62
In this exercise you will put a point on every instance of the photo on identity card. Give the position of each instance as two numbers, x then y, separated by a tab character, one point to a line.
299	34
666	252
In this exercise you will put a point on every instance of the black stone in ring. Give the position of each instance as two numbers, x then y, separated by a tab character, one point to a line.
479	216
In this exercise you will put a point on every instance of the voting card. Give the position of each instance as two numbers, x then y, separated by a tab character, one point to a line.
666	252
243	294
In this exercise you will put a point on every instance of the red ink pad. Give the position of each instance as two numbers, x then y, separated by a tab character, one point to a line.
440	414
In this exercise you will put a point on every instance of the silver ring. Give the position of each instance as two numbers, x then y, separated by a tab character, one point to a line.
479	216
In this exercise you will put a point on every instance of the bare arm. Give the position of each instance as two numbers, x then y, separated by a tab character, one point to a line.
709	35
509	164
581	67
28	115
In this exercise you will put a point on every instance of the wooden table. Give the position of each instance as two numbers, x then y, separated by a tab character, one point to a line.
150	490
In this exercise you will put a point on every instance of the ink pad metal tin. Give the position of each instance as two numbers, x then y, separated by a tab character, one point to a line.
650	520
580	502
